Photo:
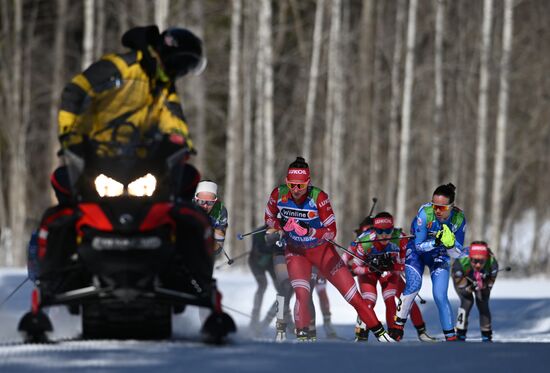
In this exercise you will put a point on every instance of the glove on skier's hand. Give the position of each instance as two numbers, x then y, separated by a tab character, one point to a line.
445	237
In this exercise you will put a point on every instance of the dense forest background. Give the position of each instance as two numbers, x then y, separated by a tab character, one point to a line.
385	99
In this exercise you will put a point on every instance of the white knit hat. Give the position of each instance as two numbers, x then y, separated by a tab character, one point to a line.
207	186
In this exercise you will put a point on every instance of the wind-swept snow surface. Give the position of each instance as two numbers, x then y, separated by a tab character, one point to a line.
521	323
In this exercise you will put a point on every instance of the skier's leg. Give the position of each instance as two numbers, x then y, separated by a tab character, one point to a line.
334	270
389	290
439	272
466	303
299	271
485	315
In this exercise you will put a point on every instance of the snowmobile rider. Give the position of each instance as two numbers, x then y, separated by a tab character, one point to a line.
133	90
475	274
206	197
439	228
136	90
304	213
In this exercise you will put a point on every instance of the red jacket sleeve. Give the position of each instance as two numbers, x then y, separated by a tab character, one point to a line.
326	215
271	210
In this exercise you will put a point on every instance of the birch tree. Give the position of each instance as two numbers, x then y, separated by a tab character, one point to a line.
88	35
57	81
267	94
233	115
331	115
313	78
100	28
406	117
502	123
336	76
439	91
393	149
250	216
162	8
479	206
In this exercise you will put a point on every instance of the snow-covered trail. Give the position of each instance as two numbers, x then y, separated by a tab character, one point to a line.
521	313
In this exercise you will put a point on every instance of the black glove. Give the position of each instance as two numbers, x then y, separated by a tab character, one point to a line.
303	224
386	262
272	238
282	220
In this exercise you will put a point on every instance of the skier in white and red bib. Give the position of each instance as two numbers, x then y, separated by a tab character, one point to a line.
303	216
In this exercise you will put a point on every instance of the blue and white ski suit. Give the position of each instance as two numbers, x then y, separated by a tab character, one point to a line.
422	251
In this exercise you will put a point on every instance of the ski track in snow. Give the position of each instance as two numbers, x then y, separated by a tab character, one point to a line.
521	323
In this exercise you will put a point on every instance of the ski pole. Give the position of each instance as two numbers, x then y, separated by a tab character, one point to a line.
229	260
386	239
235	258
240	236
422	301
236	311
374	200
14	291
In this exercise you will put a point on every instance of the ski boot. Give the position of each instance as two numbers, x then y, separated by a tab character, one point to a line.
450	335
280	331
461	334
381	334
302	335
396	332
361	335
312	331
487	336
329	329
423	336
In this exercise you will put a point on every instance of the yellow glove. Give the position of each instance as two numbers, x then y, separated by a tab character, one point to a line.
445	237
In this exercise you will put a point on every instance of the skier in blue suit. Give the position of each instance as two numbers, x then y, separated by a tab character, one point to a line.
439	228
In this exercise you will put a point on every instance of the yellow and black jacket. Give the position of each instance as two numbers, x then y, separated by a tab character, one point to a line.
114	96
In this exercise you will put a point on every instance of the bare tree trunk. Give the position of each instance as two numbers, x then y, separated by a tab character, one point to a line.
502	123
88	36
313	78
266	47
122	16
17	161
198	96
361	124
100	29
478	223
374	114
335	68
406	117
233	118
394	106
332	91
259	130
57	81
250	216
439	91
161	13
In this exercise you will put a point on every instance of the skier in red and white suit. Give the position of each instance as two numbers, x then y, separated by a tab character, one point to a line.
302	214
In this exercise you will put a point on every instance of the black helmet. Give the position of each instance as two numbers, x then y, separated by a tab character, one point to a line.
181	52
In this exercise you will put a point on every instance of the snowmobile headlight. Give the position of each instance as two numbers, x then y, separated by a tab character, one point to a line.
108	187
144	186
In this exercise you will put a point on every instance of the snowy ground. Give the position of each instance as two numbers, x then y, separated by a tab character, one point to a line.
521	322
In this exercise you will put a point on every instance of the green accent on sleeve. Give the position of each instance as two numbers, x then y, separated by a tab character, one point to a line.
314	193
430	215
396	235
217	210
458	218
283	189
465	264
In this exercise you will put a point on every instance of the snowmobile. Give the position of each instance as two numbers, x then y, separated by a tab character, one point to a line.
128	253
